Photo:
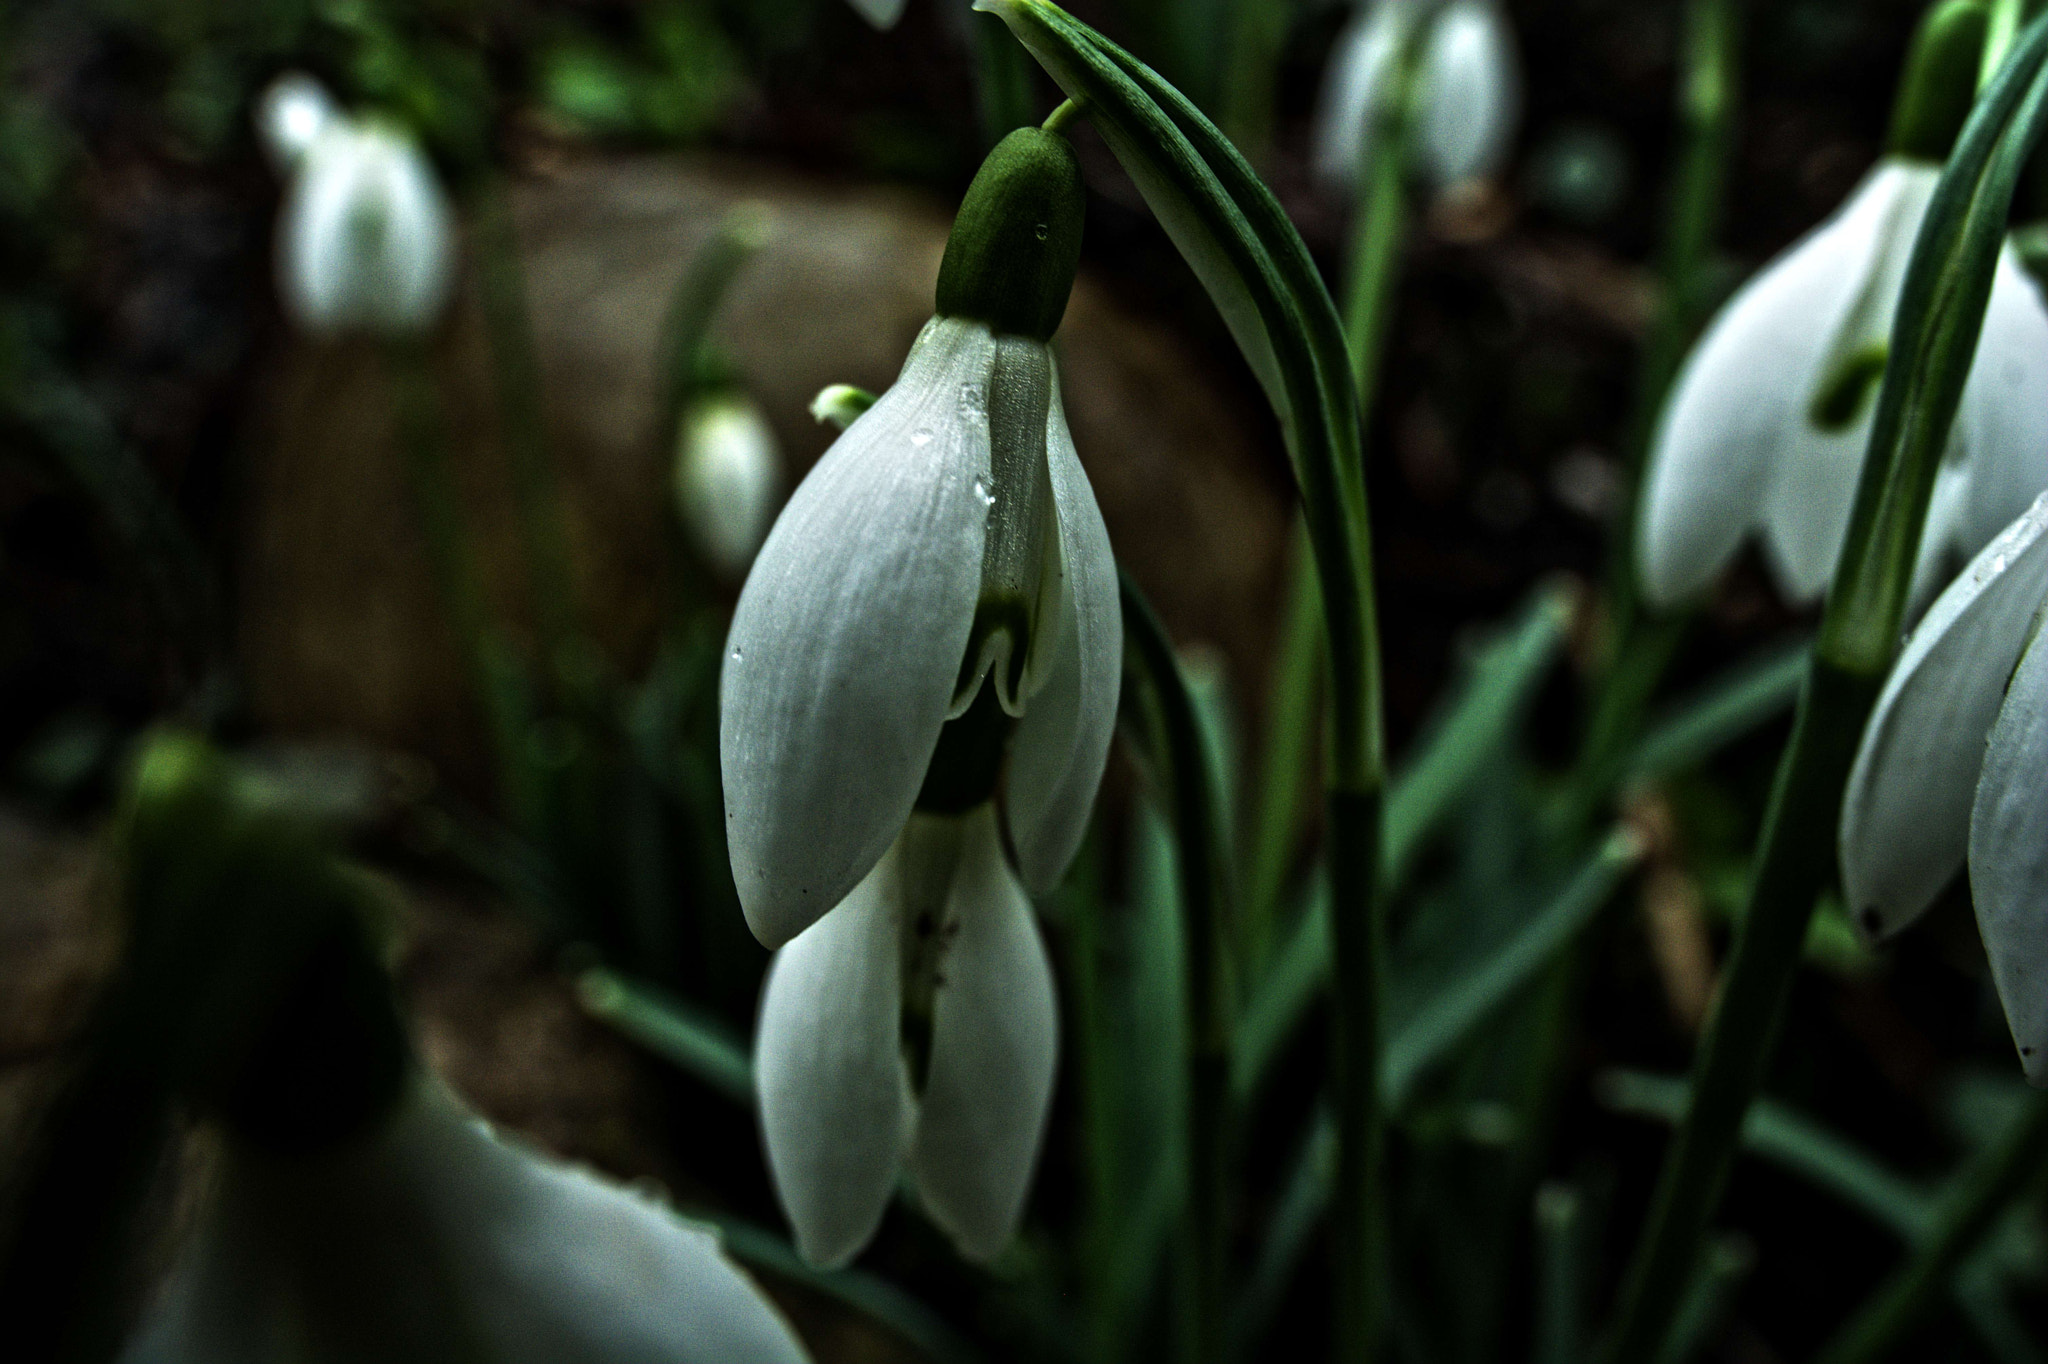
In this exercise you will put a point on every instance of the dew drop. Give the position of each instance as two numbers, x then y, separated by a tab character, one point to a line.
735	655
1998	563
920	438
988	499
1042	231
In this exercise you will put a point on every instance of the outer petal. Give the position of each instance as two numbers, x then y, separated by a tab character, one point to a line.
1905	811
1062	743
1813	482
2003	424
435	1240
995	1037
1738	411
2009	860
848	636
828	1065
1474	93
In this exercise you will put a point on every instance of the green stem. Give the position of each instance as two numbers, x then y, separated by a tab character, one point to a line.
1002	80
1984	1194
1183	759
1358	947
1284	767
536	488
1560	1274
1795	862
422	437
1379	225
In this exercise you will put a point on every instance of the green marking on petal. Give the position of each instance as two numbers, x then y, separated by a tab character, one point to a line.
1848	389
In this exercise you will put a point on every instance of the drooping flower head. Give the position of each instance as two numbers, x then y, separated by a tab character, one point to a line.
917	699
364	242
1765	429
882	14
1468	95
1954	765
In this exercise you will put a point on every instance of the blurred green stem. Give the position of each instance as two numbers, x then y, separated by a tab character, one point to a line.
1284	767
1258	33
1986	1191
1002	80
1181	756
423	438
536	486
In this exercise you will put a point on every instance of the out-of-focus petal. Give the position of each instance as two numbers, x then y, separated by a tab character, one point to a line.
828	1067
291	115
1357	70
844	649
365	241
883	14
1905	811
1062	743
434	1240
1472	94
995	1038
1734	449
727	472
2009	860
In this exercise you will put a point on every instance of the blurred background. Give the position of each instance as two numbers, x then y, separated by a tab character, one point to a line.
206	517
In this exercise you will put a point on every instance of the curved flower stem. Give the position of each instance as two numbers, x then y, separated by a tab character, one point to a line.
1934	338
1984	1193
1183	764
1064	113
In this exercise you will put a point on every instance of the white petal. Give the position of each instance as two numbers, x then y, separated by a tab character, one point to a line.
1734	449
1472	94
1905	812
292	115
1813	487
1948	514
828	1066
2009	860
847	640
1062	743
365	242
1351	88
2002	426
727	473
883	14
995	1037
434	1240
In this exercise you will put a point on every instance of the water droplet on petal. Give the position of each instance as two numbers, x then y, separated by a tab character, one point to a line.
988	499
1042	231
920	437
735	655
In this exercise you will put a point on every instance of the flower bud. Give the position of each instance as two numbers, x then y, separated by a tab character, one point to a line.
1016	243
1940	81
727	473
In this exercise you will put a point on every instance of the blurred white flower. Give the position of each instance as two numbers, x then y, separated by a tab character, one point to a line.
1468	96
1954	763
291	115
727	473
365	242
1766	427
430	1240
936	948
948	538
883	14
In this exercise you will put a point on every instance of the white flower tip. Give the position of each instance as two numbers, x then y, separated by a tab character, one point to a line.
291	116
883	14
839	405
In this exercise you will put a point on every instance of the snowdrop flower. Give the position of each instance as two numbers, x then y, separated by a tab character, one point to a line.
1468	97
727	472
431	1239
1766	427
916	706
1954	765
364	242
883	14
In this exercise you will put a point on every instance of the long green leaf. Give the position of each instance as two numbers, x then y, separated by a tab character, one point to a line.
1746	696
1474	726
